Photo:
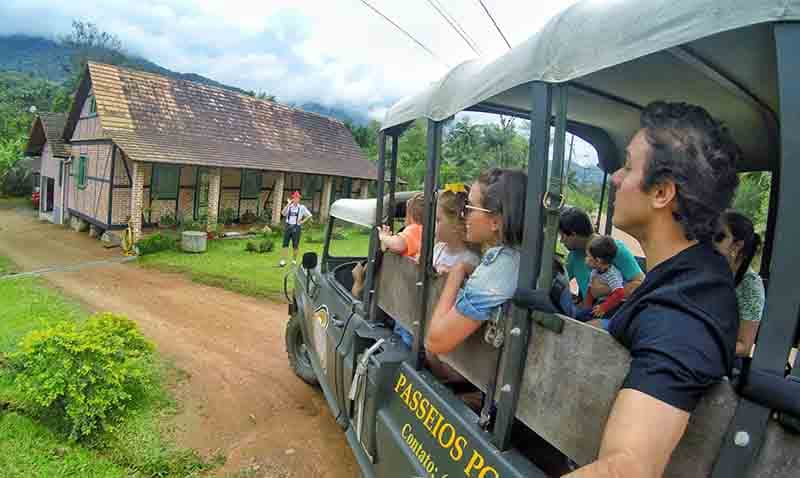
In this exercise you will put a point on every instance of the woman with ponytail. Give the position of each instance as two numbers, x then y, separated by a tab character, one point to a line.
739	243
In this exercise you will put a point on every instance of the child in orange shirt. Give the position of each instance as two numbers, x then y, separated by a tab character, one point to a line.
408	242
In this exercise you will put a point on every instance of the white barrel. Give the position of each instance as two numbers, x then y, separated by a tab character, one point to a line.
193	241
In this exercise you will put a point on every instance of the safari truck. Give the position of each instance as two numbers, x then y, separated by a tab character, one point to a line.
548	379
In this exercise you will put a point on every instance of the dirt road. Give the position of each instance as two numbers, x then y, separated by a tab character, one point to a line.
241	398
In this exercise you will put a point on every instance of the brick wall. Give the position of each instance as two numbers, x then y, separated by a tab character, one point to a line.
137	199
213	197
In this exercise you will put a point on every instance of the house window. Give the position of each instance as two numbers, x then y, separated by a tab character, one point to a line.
251	184
165	181
82	166
92	106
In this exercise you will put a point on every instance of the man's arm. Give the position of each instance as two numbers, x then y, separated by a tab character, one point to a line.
632	284
640	435
629	267
306	215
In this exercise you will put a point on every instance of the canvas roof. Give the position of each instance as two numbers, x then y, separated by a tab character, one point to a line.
619	55
362	211
48	127
158	119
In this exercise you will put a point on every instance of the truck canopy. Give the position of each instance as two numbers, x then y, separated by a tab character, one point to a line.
717	54
362	211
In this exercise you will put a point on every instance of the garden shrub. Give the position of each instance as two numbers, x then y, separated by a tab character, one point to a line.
251	247
265	217
248	217
155	243
167	220
83	373
228	216
267	245
192	225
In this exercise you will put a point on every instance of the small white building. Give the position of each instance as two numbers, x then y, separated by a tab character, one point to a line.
49	152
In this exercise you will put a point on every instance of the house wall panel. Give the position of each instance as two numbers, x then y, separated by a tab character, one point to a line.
120	173
121	208
251	205
88	127
93	200
231	178
186	204
229	200
50	169
188	175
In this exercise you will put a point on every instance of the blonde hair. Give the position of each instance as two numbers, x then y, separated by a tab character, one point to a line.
451	205
415	208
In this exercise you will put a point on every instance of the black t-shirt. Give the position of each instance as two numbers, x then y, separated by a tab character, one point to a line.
680	326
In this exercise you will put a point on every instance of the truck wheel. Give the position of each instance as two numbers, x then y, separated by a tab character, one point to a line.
298	353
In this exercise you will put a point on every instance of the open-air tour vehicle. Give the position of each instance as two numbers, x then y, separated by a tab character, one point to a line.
589	72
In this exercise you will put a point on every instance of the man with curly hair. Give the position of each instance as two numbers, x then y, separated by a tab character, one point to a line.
680	324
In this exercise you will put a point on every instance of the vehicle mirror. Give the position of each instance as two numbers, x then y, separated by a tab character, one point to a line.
310	260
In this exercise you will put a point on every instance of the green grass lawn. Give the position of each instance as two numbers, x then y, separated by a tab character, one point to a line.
6	267
32	447
226	264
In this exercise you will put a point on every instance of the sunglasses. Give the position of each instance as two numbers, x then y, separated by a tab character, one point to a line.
468	208
719	236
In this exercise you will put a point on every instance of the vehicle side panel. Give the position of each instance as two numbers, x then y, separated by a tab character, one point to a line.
422	429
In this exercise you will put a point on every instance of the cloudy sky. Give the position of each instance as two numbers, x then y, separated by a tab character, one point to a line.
336	52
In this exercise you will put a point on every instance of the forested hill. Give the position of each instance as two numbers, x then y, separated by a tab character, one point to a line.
51	60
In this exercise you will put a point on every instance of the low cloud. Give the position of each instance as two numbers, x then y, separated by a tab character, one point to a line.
332	52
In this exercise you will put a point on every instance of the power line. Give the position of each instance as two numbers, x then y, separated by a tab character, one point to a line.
419	43
456	26
495	23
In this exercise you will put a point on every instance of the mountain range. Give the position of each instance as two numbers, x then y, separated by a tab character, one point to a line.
51	60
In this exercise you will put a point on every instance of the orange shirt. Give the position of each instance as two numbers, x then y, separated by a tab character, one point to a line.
413	236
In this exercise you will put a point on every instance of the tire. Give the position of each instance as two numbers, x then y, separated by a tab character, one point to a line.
299	359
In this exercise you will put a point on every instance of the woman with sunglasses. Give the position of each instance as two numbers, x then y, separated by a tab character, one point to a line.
494	219
737	240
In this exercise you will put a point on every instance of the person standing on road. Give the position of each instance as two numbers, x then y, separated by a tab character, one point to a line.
296	214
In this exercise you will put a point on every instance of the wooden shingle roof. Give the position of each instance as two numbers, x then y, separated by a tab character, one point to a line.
158	119
48	127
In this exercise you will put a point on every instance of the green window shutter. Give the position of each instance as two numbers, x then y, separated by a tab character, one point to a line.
312	184
347	188
165	182
82	160
251	184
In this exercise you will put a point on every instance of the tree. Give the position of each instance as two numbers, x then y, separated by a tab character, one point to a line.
366	137
260	95
18	93
89	43
752	197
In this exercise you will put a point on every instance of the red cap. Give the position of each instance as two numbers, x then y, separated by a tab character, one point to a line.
296	195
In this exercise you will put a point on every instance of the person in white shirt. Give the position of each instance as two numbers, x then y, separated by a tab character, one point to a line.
296	214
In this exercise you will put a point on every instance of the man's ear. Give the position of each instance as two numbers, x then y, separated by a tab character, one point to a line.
663	195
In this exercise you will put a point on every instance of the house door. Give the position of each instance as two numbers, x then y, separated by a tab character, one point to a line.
49	195
201	194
